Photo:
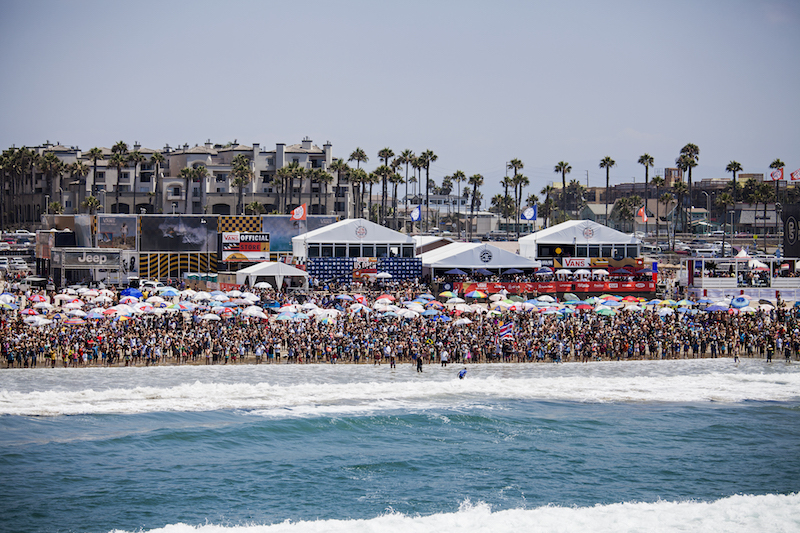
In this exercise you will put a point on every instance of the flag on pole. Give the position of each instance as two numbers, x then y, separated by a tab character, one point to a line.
506	330
642	213
795	175
777	174
529	213
416	214
299	212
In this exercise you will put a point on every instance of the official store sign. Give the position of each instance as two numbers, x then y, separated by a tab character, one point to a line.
245	246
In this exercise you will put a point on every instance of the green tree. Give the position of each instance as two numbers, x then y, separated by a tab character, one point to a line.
459	177
157	159
428	157
78	171
520	182
55	207
94	155
725	200
359	156
692	154
681	190
658	182
667	199
360	178
241	176
254	208
342	171
386	154
198	175
91	204
647	161
563	168
406	158
395	179
607	163
51	166
475	181
506	182
775	165
764	196
323	179
118	161
135	158
733	167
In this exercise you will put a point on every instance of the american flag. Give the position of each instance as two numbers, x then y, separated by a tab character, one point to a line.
506	330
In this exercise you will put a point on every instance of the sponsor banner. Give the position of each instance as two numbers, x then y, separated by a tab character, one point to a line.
365	269
598	262
245	246
178	233
86	258
116	231
558	286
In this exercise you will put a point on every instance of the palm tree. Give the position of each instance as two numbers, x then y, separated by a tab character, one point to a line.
50	165
284	181
255	208
428	157
516	165
300	174
359	156
118	161
506	182
395	179
458	178
607	163
406	158
324	179
658	182
667	199
91	204
681	190
647	161
94	154
548	191
692	152
775	165
733	167
520	182
475	181
383	172
241	176
724	200
186	174
764	195
157	160
341	169
563	168
79	170
135	157
360	178
386	154
199	174
372	178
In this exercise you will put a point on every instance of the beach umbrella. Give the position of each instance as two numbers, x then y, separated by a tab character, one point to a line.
416	307
91	293
427	296
359	307
9	306
683	310
42	305
611	303
262	285
462	322
360	298
37	298
570	297
482	272
546	298
309	306
408	313
516	298
563	272
128	300
605	312
455	300
234	293
220	297
496	297
170	293
43	322
584	307
665	311
74	321
464	308
202	295
383	301
210	316
475	294
284	316
455	272
383	275
28	311
56	298
582	272
747	309
130	291
155	300
434	303
76	312
431	312
705	301
94	315
346	297
442	318
632	308
102	299
387	297
600	272
685	303
448	294
739	302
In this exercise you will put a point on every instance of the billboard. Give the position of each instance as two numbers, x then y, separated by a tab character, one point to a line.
116	231
178	233
238	246
282	228
791	230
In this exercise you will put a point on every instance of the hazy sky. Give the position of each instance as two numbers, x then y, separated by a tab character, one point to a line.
479	83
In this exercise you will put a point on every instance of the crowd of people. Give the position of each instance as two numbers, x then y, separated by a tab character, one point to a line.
364	335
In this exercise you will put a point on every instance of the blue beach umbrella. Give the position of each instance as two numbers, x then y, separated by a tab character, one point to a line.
427	296
739	302
431	312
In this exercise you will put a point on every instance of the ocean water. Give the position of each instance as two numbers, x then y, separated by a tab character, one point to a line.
696	445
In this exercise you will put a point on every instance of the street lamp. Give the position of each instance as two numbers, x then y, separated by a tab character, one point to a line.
708	207
46	204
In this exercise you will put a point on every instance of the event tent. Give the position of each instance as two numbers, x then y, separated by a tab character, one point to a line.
582	238
353	237
473	256
273	273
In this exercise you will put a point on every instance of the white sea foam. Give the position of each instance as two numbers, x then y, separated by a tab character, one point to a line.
741	513
293	391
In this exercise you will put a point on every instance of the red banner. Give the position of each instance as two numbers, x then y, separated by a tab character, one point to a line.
558	286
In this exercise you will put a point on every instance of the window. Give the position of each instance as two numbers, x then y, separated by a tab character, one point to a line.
408	250
313	250
381	250
68	203
220	189
295	160
341	250
270	161
125	176
176	191
631	250
221	177
607	251
144	177
340	192
327	250
339	206
354	250
368	250
100	177
196	193
594	251
124	188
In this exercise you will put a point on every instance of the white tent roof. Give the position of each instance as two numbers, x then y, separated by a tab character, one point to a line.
275	270
577	231
354	230
467	255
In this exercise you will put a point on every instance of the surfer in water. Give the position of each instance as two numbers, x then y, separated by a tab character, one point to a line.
462	373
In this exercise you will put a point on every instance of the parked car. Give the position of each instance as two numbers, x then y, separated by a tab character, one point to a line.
5	264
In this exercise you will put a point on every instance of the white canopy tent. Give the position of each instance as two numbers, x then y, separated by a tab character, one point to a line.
353	237
472	256
582	238
273	273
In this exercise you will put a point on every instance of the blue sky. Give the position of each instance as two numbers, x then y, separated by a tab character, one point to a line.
478	83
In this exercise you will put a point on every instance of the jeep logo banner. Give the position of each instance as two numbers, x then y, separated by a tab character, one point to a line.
91	257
